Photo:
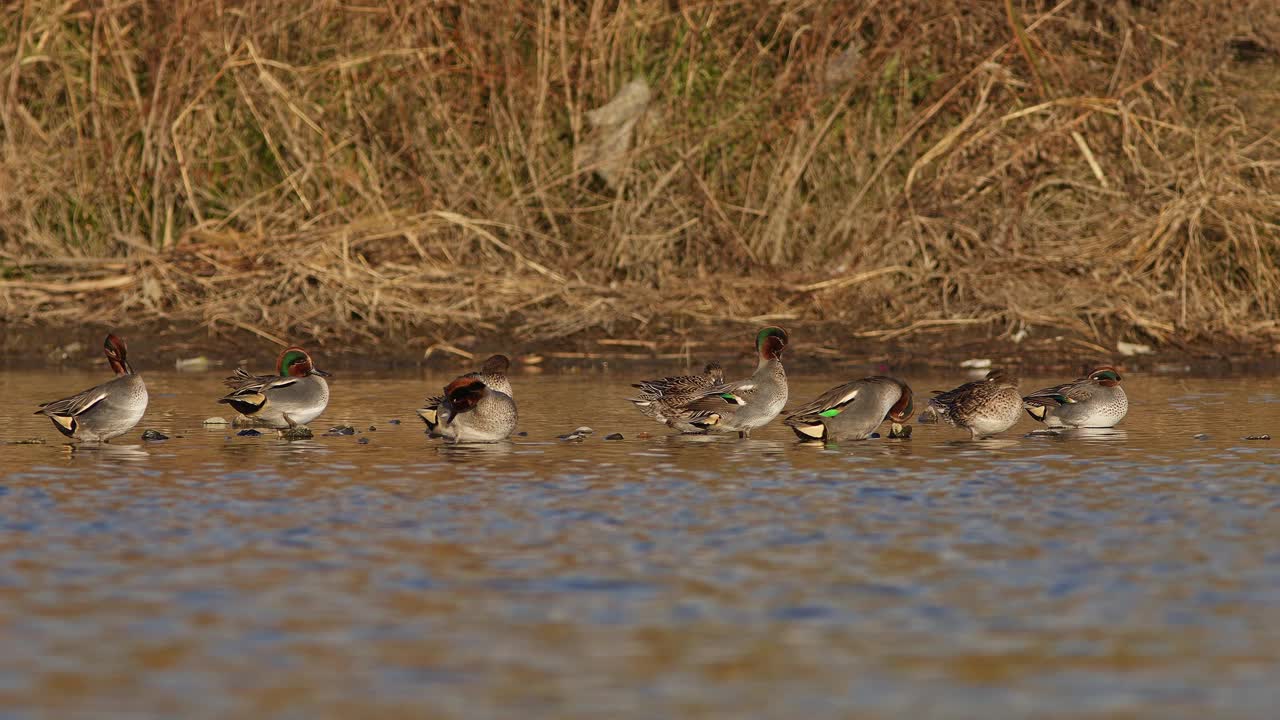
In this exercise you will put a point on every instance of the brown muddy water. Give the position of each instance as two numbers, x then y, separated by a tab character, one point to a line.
1134	573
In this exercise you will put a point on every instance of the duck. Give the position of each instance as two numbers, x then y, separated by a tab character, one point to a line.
1096	401
983	407
662	399
472	411
493	373
853	411
744	405
103	411
294	396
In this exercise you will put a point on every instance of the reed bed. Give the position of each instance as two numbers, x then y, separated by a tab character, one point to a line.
414	171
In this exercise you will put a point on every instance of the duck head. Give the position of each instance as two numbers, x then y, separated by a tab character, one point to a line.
117	355
904	408
1105	376
770	342
1001	376
714	370
295	362
496	365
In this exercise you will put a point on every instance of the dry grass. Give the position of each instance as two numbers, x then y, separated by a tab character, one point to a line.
397	169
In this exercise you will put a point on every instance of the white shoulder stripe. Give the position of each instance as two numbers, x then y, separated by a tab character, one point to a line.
86	406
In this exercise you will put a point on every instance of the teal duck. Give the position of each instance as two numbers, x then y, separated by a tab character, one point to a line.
1096	401
984	407
664	398
295	396
744	405
852	411
103	411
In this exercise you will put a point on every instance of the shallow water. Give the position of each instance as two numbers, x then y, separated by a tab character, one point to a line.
1125	574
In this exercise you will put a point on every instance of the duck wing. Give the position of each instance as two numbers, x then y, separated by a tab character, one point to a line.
1077	390
77	404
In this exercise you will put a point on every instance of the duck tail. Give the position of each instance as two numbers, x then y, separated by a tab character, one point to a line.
933	414
245	404
430	413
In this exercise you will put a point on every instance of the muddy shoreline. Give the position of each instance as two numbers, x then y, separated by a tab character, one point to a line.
815	347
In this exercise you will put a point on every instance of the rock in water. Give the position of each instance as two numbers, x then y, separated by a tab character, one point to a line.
248	433
302	432
153	435
577	435
341	430
216	421
614	436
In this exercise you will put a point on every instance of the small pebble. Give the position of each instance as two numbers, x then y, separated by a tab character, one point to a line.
362	441
1201	436
302	432
644	436
522	433
242	421
216	421
393	422
341	430
28	441
1257	437
899	432
372	429
153	435
614	436
249	433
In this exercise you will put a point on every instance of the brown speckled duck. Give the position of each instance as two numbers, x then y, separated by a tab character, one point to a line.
984	407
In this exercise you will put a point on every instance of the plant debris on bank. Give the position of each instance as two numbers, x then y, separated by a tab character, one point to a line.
416	172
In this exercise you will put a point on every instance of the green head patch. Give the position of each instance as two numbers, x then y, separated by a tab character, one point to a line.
294	361
1106	374
768	332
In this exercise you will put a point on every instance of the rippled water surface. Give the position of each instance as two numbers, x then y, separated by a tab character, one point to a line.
1135	573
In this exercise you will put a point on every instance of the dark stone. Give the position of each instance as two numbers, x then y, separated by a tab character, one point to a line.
153	436
372	429
301	432
1257	437
614	436
393	422
522	433
341	430
900	432
1201	436
249	433
362	441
